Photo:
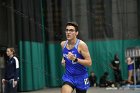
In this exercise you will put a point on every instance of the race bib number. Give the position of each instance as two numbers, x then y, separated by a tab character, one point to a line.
86	81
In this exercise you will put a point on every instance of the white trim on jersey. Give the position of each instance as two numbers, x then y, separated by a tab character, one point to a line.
17	62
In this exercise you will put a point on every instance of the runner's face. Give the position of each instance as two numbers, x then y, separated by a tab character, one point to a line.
71	33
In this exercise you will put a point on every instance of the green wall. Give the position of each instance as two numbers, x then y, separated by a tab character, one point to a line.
102	53
40	64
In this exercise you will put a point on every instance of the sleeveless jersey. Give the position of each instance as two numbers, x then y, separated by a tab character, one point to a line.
73	68
131	67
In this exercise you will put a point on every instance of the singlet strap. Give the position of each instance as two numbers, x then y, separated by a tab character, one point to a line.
77	43
65	43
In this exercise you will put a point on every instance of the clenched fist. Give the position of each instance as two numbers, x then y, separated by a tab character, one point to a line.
71	56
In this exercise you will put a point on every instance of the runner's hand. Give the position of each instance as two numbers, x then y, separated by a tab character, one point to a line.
71	56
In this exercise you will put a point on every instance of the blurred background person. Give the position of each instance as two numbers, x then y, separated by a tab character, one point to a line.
130	64
115	65
11	76
92	79
104	82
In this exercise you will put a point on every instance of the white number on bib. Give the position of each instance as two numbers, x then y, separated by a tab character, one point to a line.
86	81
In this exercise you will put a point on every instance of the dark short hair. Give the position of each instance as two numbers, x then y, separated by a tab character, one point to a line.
91	71
106	73
73	24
